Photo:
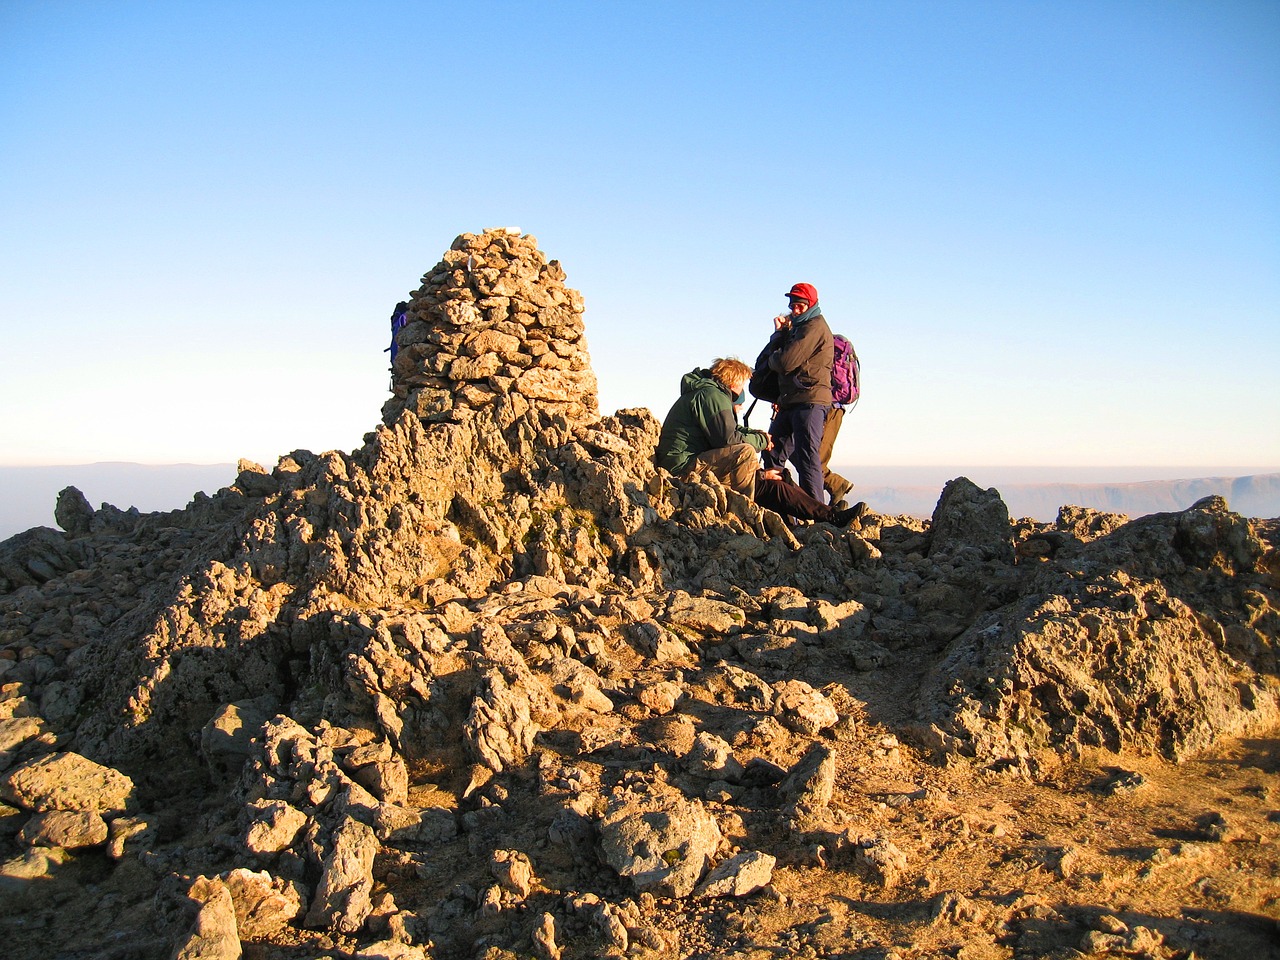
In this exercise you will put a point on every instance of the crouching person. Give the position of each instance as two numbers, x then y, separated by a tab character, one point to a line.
702	427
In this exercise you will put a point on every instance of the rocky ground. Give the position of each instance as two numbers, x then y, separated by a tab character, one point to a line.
492	686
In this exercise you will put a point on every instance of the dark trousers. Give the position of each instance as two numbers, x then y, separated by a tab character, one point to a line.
797	436
789	500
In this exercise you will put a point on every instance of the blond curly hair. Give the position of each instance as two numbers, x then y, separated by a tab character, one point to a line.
730	370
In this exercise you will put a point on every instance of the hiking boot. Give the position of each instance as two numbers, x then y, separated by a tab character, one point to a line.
844	518
839	489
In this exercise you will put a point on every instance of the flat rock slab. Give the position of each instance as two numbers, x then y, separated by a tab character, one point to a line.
67	781
69	829
738	876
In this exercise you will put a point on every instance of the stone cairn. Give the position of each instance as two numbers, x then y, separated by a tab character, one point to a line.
493	325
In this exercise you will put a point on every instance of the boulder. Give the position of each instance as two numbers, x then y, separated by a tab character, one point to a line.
213	934
664	850
342	902
740	875
69	829
67	781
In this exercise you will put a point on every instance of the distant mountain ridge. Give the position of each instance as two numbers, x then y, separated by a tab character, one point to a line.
1257	495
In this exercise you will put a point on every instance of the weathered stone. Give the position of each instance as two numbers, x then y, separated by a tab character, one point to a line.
811	782
264	905
544	938
712	757
70	829
342	900
213	935
15	731
388	780
414	827
803	709
663	850
35	864
274	826
225	739
660	697
513	870
500	730
968	518
67	781
130	836
500	592
703	615
73	512
741	874
881	861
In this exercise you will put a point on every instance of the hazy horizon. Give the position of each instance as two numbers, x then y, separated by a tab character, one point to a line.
28	493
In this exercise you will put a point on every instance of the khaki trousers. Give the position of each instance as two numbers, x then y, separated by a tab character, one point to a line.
840	486
735	466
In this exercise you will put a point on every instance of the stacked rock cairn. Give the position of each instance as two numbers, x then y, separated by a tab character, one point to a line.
491	324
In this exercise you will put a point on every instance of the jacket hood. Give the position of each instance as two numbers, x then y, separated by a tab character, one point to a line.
698	378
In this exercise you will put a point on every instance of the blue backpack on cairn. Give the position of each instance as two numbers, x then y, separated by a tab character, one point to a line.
399	317
846	374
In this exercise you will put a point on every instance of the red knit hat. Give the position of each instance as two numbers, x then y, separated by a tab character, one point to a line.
804	291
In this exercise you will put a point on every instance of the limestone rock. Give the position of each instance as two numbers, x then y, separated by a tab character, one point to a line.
342	899
968	518
803	709
663	850
213	935
264	904
741	874
69	829
67	781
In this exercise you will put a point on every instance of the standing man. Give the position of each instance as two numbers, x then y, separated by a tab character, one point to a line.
801	352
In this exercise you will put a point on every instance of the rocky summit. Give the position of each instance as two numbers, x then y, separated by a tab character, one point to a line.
493	686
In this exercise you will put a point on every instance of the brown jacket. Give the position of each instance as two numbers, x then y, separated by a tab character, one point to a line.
802	355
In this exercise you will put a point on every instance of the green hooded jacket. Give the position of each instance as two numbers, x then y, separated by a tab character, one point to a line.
702	419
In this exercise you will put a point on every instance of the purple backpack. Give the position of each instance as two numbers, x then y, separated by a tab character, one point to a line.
846	385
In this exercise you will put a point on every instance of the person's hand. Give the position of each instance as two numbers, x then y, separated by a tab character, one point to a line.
781	322
773	473
768	441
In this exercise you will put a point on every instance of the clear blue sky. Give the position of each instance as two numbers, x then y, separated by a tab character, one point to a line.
1051	229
